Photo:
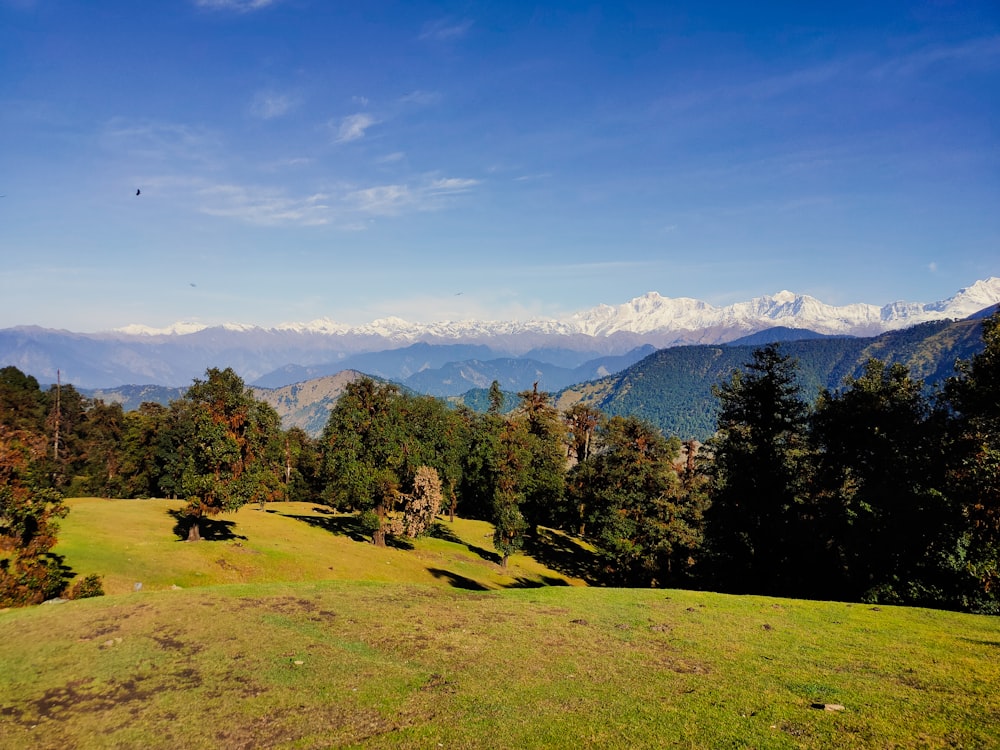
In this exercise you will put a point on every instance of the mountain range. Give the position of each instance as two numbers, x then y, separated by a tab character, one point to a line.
606	338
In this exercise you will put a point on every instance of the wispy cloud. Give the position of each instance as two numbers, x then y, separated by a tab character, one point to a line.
264	206
268	105
240	6
451	185
159	141
421	98
391	200
982	52
445	29
353	127
344	207
395	156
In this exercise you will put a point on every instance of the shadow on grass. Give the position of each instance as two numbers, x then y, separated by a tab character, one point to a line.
442	532
212	529
562	554
535	583
456	580
349	526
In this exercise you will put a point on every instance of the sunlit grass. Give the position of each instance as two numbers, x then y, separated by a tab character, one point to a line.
279	647
401	665
131	542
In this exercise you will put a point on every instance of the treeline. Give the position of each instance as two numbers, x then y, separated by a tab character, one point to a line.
877	491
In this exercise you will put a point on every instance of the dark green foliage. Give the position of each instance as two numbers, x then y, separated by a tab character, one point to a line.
877	478
478	400
543	485
512	472
672	388
21	403
375	442
973	463
643	520
233	457
759	478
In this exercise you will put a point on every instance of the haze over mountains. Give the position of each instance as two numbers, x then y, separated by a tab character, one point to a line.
602	340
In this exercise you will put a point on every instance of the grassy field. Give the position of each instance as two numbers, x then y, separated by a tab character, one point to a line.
417	659
138	541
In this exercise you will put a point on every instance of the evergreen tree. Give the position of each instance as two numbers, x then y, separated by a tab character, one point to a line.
545	477
644	524
973	397
887	526
759	479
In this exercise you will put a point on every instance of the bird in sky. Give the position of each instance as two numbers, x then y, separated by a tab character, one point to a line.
137	191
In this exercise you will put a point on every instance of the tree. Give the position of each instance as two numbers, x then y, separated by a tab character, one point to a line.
363	444
582	421
301	470
21	402
885	522
142	463
545	476
29	572
421	505
233	456
973	397
643	523
759	478
512	464
100	454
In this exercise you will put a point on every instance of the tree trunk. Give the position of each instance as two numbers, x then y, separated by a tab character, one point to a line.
194	530
378	536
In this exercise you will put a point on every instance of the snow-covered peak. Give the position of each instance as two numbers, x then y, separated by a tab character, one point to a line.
180	328
670	319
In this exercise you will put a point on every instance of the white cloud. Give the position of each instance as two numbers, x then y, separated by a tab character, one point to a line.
264	206
421	98
452	185
268	105
392	158
353	127
391	200
240	6
159	141
445	29
932	267
382	200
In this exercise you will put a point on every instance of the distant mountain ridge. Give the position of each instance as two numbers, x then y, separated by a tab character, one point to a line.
672	388
174	356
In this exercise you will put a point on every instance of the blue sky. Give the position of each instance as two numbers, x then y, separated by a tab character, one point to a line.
301	159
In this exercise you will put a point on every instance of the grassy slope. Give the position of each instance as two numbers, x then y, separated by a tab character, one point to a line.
133	541
398	664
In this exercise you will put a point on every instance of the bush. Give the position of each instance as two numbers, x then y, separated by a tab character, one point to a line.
92	585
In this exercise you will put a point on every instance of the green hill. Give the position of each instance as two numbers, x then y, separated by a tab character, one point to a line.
672	388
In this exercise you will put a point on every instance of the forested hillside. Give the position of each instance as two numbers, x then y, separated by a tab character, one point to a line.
672	388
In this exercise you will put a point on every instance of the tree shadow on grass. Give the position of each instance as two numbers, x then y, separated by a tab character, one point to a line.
349	526
212	529
536	583
456	580
563	554
442	532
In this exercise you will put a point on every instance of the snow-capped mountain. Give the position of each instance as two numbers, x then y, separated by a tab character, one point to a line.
173	356
654	314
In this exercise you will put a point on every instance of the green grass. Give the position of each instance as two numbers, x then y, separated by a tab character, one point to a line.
134	541
417	662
